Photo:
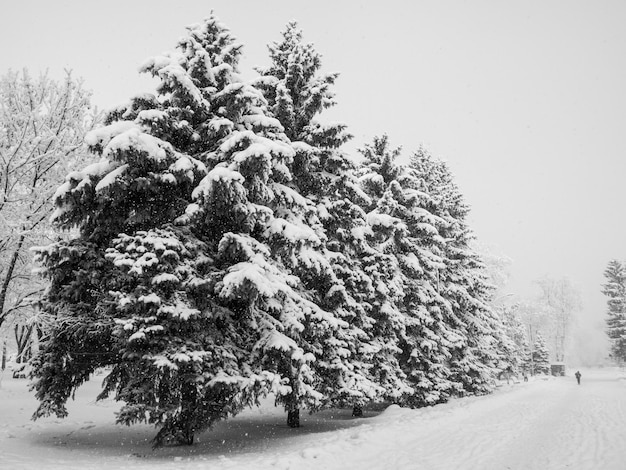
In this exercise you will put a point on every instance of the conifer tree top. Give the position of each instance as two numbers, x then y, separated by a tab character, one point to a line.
297	92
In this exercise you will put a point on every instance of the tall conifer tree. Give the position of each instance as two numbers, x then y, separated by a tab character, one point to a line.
513	344
615	290
297	94
377	172
541	356
463	282
409	233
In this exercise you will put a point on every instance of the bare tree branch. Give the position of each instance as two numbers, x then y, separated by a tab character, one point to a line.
42	129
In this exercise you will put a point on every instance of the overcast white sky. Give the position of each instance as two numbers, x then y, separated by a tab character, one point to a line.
525	100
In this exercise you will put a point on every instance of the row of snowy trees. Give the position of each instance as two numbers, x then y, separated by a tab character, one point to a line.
227	249
615	290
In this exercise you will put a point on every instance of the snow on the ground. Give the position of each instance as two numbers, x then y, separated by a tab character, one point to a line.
543	424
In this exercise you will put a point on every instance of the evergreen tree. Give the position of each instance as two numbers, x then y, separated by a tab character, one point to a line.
541	356
615	290
384	230
198	273
462	281
297	94
527	361
423	337
513	348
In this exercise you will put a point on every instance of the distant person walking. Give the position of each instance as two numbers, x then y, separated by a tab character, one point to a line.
577	374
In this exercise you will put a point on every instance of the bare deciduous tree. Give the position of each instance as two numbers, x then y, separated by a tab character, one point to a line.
43	123
563	300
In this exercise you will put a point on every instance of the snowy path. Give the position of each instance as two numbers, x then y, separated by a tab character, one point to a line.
543	425
546	425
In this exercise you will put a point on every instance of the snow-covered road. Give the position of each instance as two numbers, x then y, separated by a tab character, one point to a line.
552	424
544	425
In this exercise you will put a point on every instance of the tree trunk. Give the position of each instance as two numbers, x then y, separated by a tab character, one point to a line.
23	339
293	418
9	276
293	411
4	355
186	436
189	398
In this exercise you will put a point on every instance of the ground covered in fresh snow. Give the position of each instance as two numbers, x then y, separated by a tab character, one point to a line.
543	424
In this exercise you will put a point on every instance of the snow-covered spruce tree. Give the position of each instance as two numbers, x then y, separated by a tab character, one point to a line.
408	232
527	361
513	345
297	94
615	290
541	356
192	272
462	282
